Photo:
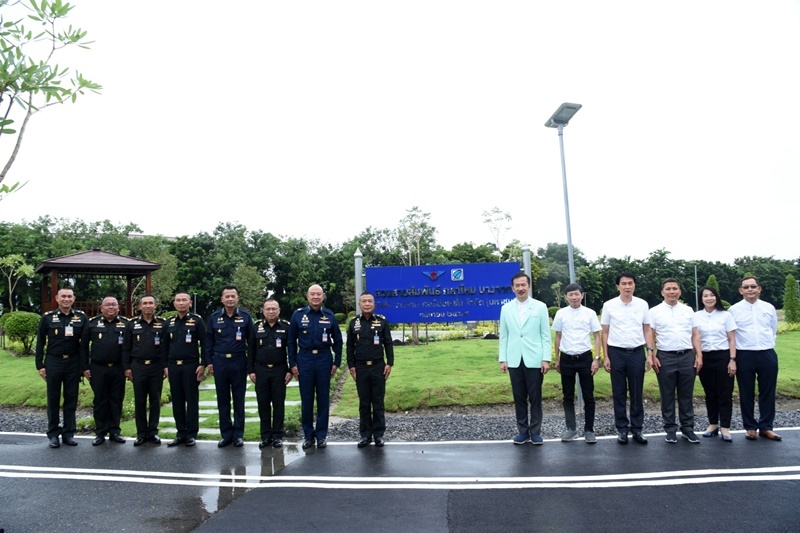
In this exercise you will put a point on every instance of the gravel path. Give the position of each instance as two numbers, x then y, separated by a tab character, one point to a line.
461	423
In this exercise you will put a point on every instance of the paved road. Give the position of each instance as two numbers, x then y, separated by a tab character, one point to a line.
437	487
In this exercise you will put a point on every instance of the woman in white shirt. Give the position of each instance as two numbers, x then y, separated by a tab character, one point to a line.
716	327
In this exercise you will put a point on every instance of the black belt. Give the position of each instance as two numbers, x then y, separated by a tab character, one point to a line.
144	361
105	364
628	350
676	352
268	365
181	362
368	362
228	355
61	356
576	356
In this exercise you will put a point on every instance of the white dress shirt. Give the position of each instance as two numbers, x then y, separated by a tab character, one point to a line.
757	325
713	328
576	327
625	322
673	326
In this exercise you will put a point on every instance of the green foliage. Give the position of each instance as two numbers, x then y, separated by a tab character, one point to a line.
14	269
712	282
791	301
341	318
29	78
251	286
21	327
552	310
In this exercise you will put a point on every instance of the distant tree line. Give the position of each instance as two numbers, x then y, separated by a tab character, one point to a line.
262	264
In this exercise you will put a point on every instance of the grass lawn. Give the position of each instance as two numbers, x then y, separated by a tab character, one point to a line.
445	373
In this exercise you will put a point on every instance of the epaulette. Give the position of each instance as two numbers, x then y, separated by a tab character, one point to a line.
54	311
96	317
158	317
381	317
77	312
282	321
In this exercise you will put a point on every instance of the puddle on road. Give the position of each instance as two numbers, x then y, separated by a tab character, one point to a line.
265	463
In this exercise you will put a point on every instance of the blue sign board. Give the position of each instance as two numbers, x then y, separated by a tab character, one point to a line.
441	293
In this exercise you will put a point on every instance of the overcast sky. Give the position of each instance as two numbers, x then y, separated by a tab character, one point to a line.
319	118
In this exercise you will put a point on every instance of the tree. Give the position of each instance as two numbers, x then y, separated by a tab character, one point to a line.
416	235
791	301
14	269
498	223
251	286
21	326
712	282
29	80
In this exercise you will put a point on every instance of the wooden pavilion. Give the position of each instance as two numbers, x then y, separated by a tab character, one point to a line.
98	264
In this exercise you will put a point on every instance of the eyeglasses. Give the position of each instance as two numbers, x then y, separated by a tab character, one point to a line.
749	286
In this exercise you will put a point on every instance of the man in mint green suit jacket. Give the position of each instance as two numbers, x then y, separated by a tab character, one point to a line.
525	355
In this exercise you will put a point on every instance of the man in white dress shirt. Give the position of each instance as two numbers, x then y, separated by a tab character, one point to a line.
626	333
757	327
678	360
574	326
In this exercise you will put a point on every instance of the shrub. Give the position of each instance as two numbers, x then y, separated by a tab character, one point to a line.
552	310
21	326
341	318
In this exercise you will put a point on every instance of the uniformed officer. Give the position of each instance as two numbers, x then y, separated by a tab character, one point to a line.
183	345
61	331
101	361
368	338
268	368
145	365
313	331
226	358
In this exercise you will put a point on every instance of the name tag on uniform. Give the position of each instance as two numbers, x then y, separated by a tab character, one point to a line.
277	343
68	331
238	335
376	340
188	337
324	336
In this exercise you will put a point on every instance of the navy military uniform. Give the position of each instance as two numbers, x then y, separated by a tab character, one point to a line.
267	359
183	346
62	335
142	354
226	349
312	334
368	337
101	354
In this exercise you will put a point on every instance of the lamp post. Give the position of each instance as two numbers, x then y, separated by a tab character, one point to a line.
561	118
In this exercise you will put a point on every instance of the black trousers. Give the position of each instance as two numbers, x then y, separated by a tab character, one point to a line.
581	365
627	378
271	397
108	385
148	381
62	374
371	386
718	386
761	364
677	374
183	387
526	386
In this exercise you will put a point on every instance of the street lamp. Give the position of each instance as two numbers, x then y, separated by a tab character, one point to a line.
561	118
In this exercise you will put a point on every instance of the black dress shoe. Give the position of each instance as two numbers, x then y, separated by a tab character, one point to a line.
277	443
176	442
622	437
98	440
224	442
638	437
263	444
379	442
363	442
155	439
238	442
54	443
139	441
69	441
322	443
308	443
191	442
116	438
